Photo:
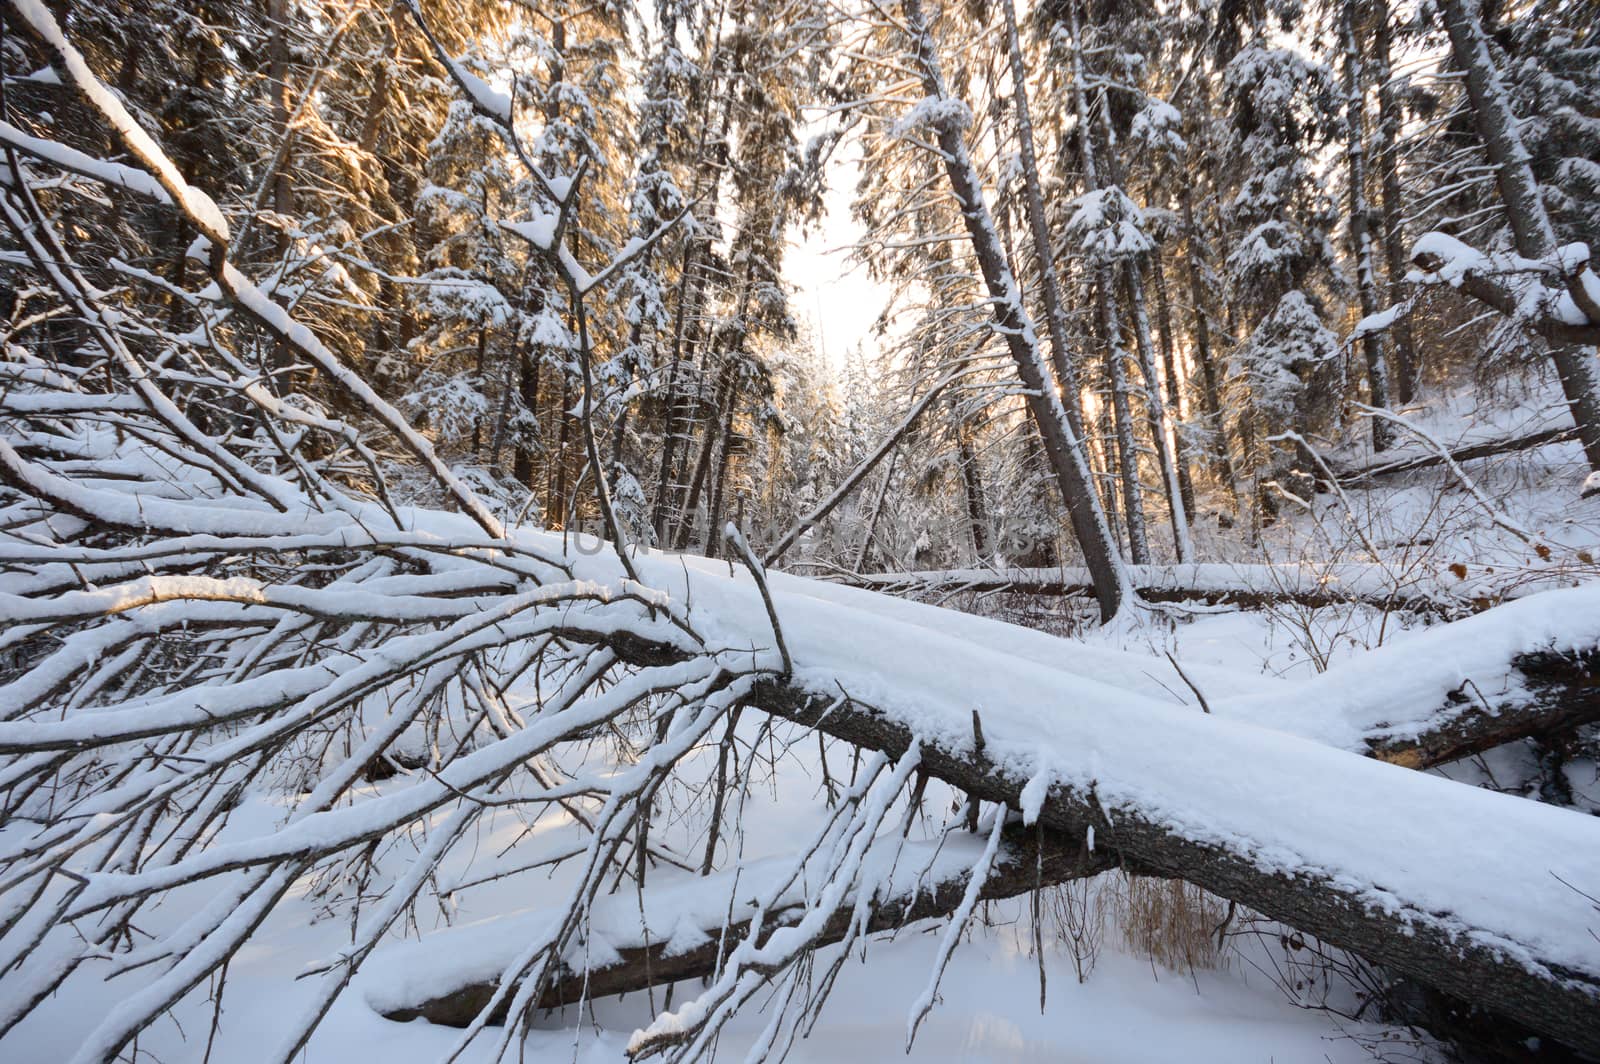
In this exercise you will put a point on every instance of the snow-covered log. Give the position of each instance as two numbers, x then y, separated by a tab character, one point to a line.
1163	788
1490	679
1518	670
1559	693
1539	981
685	928
448	977
1465	453
1214	583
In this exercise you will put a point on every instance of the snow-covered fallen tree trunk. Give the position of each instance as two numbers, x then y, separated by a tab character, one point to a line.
1465	453
695	922
1219	583
1560	693
1546	989
1369	856
450	976
1527	668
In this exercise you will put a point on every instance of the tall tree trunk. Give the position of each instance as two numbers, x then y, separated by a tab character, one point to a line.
1169	363
558	488
972	487
702	466
278	85
528	393
1062	358
1161	430
382	92
1534	237
692	282
1210	388
282	190
724	466
1404	368
1360	222
1116	365
1105	442
1110	324
502	416
1014	325
699	336
1161	433
1003	200
478	367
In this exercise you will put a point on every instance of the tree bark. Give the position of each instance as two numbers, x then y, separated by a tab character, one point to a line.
1116	364
282	190
278	86
528	395
691	282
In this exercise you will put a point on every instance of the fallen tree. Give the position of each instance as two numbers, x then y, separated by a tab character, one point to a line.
1212	583
1562	695
661	952
1450	690
1555	691
1560	692
1550	996
579	603
1465	453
